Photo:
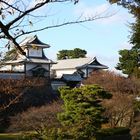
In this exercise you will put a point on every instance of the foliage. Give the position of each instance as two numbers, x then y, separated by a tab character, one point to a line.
68	54
128	62
129	59
131	5
10	55
114	134
121	109
135	129
135	33
17	136
113	131
82	115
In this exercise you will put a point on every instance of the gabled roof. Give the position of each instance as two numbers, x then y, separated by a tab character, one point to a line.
78	63
33	41
71	77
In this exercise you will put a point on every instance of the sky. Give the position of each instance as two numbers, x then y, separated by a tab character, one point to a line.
102	38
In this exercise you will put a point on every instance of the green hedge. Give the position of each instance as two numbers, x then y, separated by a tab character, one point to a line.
113	131
6	136
114	134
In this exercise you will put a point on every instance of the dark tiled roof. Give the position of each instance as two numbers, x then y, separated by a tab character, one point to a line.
71	77
33	40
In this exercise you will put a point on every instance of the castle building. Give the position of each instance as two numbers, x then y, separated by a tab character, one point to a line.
35	63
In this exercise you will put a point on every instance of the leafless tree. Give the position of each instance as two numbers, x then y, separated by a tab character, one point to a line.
120	110
16	14
41	120
114	83
12	91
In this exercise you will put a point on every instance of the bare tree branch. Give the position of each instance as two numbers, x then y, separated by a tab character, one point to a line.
64	24
6	32
5	28
17	20
11	6
25	84
27	12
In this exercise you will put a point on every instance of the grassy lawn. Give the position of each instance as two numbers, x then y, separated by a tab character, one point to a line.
10	136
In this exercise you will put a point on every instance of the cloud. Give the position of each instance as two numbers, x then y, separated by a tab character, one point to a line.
118	17
125	45
115	14
88	11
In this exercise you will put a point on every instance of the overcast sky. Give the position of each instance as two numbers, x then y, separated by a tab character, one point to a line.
101	38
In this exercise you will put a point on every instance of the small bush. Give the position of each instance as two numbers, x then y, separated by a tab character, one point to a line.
113	131
114	134
36	119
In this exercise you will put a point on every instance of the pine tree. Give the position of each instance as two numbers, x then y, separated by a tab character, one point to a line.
82	116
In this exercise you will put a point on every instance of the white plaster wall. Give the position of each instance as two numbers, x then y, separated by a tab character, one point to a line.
18	68
5	68
46	66
90	70
85	71
59	73
30	66
26	51
35	52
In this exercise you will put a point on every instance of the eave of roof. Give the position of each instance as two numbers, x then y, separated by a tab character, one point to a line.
94	66
31	60
39	61
15	61
71	77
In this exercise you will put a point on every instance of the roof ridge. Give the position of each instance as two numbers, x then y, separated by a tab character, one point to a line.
75	58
